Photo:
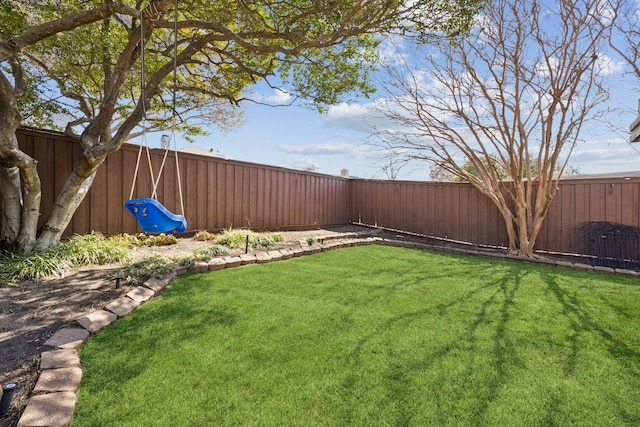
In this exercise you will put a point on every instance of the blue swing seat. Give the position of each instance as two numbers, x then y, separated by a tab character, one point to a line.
155	218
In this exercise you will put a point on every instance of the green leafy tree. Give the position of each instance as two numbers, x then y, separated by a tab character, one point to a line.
83	60
439	173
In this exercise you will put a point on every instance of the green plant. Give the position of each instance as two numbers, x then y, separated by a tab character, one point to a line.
77	251
184	260
161	240
152	266
204	236
142	239
93	248
208	252
277	237
240	238
261	242
31	266
129	239
311	240
232	238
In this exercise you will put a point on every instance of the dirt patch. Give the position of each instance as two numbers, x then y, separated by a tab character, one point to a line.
31	312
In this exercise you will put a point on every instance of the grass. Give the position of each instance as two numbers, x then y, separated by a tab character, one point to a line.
372	336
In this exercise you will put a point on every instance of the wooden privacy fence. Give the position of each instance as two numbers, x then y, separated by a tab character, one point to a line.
217	193
222	193
457	211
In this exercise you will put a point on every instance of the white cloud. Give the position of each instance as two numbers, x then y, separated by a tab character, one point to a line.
351	116
607	65
600	156
279	97
330	148
303	164
391	51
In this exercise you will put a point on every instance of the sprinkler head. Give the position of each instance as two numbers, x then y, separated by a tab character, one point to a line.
7	394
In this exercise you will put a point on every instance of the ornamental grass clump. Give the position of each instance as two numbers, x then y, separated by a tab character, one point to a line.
94	248
240	238
204	236
79	250
138	272
208	252
141	239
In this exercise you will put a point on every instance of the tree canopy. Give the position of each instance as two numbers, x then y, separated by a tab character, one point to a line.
81	62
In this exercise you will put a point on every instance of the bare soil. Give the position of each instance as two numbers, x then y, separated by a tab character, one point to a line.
33	311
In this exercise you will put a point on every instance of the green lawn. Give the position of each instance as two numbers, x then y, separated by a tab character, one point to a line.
372	336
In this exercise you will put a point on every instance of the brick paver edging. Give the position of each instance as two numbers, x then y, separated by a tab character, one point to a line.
54	397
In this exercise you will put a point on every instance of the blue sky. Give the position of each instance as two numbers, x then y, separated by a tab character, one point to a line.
298	138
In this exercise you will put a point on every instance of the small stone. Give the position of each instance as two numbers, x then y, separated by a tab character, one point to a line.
625	272
263	257
65	358
603	269
286	253
297	251
217	264
61	379
122	306
199	267
156	285
97	320
233	261
68	338
52	409
141	294
248	259
564	264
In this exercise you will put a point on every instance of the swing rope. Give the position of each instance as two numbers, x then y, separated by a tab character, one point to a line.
175	85
143	143
156	179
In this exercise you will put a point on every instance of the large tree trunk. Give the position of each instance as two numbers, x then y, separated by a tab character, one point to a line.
11	207
27	192
68	201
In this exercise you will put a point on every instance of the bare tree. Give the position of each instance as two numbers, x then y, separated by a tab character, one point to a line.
512	96
624	39
624	36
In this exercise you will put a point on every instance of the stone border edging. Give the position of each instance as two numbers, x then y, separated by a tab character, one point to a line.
55	397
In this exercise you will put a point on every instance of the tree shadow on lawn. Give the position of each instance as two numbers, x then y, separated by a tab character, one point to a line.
486	313
500	309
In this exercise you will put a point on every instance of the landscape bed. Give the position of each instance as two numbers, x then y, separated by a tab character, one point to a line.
372	335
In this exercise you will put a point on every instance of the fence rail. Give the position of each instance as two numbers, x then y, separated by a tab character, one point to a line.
222	193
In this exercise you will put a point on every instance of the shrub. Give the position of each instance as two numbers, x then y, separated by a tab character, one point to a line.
238	239
204	236
31	266
208	252
261	241
79	250
277	237
152	266
232	238
142	239
93	248
161	240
